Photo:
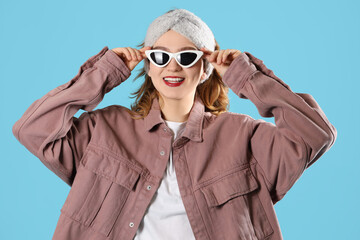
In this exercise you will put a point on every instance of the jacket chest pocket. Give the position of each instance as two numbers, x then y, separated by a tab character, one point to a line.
100	189
234	206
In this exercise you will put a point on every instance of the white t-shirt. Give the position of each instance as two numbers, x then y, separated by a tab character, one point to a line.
166	217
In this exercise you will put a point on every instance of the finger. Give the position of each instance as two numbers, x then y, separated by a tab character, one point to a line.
135	54
226	54
236	54
205	50
206	53
132	52
219	57
126	52
143	49
213	56
138	55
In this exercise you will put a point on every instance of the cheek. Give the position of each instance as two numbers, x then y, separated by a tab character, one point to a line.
154	72
199	67
195	72
155	79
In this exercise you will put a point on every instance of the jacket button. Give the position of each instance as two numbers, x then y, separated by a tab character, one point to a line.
162	153
131	224
148	187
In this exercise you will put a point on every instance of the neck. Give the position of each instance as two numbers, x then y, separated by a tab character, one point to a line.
176	110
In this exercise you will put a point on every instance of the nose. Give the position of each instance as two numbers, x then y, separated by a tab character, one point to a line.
173	65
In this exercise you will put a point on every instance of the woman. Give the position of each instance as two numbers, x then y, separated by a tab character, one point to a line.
177	165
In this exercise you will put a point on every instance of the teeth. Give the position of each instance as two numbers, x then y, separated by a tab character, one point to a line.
174	79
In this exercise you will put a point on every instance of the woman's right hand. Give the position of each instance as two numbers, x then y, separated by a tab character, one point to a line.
131	56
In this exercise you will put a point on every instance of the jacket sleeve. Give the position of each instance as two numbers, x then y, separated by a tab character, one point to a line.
301	134
48	128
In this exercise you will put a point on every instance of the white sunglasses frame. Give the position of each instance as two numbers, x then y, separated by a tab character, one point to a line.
174	55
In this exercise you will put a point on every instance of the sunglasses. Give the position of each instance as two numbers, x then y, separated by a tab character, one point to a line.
185	58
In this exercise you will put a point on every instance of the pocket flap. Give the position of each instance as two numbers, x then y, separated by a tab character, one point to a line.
229	186
113	168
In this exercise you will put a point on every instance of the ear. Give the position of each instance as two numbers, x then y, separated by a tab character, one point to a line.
203	76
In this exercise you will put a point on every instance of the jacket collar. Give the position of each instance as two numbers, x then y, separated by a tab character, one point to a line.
193	129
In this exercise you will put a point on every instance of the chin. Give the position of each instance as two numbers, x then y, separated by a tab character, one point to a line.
173	97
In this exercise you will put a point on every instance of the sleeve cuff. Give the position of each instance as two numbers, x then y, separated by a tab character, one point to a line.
109	60
238	72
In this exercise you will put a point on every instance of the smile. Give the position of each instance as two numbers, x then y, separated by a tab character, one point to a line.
173	81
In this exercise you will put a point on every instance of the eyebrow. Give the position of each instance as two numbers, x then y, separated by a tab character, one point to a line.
180	49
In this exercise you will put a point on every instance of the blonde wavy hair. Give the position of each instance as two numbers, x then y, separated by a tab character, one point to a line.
213	93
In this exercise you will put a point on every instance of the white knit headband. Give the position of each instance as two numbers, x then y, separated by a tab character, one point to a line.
187	24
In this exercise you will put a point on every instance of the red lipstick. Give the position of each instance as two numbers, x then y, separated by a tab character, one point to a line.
173	81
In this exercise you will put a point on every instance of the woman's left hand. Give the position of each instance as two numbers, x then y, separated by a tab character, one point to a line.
220	59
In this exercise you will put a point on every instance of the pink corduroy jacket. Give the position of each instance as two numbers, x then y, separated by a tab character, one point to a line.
231	169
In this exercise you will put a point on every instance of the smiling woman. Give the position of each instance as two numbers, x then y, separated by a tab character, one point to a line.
213	93
179	96
178	165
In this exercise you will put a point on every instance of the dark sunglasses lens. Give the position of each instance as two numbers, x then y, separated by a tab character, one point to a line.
159	57
187	58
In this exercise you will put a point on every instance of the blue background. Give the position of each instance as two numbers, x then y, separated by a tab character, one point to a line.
313	46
